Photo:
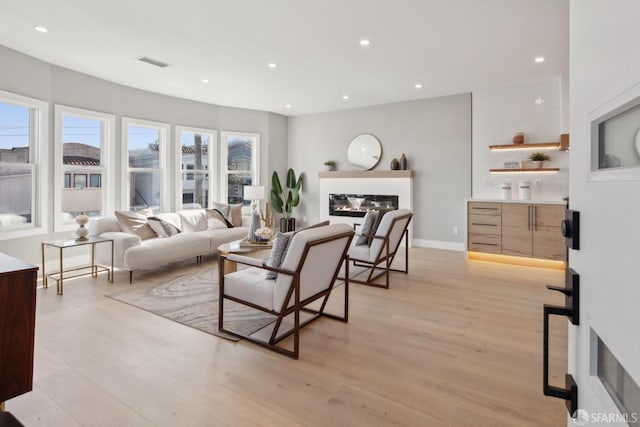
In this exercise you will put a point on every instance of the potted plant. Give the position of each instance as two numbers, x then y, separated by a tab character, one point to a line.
284	204
537	158
330	165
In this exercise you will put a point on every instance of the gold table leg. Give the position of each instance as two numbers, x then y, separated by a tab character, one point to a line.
1	406
60	284
45	281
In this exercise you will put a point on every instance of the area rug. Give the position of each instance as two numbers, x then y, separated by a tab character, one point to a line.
192	300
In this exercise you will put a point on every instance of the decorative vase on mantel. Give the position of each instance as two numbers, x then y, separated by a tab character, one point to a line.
287	224
403	162
395	164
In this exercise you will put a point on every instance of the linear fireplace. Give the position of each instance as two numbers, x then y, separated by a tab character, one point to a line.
356	205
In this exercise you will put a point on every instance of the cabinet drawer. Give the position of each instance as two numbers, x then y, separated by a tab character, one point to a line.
489	243
489	224
484	208
548	215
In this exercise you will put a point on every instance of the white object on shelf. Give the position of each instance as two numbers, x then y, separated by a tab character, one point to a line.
506	190
524	190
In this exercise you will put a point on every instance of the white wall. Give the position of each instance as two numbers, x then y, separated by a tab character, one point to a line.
31	77
497	115
604	64
435	135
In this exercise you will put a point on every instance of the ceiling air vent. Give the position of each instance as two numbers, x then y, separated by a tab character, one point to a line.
152	61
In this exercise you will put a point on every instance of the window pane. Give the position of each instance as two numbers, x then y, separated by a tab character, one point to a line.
95	180
80	180
195	190
15	197
194	150
67	180
145	190
239	149
144	150
14	133
81	141
235	190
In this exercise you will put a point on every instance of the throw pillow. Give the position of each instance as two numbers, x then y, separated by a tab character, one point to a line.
381	213
218	215
162	227
367	227
278	252
232	212
135	222
193	220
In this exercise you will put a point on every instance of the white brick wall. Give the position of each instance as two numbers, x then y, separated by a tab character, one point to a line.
497	115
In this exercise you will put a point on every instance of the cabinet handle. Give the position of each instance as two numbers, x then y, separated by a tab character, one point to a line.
528	217
480	223
485	244
535	217
490	209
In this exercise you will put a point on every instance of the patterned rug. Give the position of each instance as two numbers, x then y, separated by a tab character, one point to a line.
192	300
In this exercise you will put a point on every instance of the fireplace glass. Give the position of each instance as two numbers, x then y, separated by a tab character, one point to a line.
356	205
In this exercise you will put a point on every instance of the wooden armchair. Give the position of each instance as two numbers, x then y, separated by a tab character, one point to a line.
307	274
374	260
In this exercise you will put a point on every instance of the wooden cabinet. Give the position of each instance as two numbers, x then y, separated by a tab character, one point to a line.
484	223
519	229
17	326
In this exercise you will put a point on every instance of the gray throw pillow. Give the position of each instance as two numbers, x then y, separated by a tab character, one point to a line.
381	213
162	227
217	214
367	228
278	252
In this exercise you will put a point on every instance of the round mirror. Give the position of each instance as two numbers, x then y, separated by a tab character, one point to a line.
364	152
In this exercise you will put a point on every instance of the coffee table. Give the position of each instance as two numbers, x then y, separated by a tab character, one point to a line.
236	248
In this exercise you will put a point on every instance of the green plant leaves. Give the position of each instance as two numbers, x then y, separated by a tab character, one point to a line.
280	204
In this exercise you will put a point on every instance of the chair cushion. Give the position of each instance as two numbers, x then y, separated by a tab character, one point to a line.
135	222
250	285
376	224
367	227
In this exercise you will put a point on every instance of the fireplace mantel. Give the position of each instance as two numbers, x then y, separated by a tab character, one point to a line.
368	174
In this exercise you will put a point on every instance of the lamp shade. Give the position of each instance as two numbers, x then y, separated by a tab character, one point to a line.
81	199
254	192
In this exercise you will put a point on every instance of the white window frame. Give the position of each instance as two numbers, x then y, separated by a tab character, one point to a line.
224	153
38	154
165	132
107	154
211	162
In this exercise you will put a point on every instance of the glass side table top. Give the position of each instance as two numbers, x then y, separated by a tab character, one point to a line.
67	243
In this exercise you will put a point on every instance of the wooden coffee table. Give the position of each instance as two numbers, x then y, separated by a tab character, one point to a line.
235	248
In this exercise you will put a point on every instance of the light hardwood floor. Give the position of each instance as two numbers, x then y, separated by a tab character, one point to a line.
453	343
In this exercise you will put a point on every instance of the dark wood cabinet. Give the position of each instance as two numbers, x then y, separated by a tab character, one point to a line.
17	326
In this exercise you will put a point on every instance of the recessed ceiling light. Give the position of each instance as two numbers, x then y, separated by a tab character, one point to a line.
539	59
41	29
205	80
345	97
272	65
418	86
287	106
364	42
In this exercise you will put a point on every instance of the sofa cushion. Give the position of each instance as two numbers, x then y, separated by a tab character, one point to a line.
161	227
193	220
103	225
159	251
135	222
235	212
260	291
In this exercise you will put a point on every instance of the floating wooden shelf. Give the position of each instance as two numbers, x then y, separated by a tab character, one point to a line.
369	174
531	146
525	170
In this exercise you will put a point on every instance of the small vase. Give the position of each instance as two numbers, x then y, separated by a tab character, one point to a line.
287	224
395	164
536	164
518	138
403	162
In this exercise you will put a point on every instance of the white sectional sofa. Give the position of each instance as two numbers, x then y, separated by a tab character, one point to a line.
200	235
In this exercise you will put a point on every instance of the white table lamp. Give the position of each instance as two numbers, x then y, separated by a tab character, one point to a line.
255	193
81	200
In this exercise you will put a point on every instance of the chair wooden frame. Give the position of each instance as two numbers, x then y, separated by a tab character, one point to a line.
294	289
387	256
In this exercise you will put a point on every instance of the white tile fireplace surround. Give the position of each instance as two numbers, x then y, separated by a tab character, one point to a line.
399	183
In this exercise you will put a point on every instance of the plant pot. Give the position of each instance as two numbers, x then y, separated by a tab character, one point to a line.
287	224
536	164
329	168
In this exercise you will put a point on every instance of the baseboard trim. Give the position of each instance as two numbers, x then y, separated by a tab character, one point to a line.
439	244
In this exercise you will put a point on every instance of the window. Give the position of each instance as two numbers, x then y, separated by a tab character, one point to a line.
145	157
240	154
195	150
23	124
84	145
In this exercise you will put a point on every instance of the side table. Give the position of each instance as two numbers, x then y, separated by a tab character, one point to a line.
239	247
93	268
